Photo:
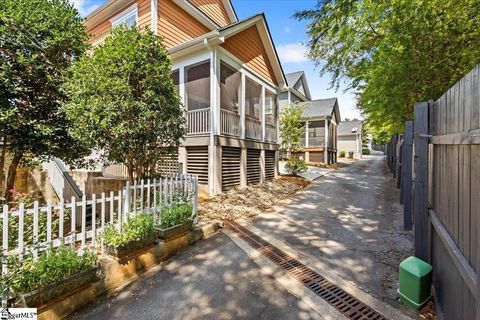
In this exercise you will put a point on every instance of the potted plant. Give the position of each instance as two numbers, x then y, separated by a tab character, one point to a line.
137	232
54	273
175	221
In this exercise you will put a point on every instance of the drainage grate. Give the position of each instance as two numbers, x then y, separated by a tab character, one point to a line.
338	298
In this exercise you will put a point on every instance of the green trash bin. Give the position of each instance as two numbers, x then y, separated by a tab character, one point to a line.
415	282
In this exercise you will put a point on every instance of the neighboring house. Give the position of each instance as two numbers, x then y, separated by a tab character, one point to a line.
350	134
321	118
296	91
228	75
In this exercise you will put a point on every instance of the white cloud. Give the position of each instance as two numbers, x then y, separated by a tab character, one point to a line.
292	52
84	7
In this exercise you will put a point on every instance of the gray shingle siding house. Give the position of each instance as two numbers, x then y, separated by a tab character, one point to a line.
321	118
350	134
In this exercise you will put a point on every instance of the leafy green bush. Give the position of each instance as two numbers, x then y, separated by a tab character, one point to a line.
135	228
342	154
296	166
366	151
350	155
52	266
177	214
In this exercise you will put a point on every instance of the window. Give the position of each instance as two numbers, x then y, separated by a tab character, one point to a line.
253	94
126	18
176	79
229	87
197	89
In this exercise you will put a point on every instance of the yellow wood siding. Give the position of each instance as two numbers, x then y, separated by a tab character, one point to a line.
213	9
144	14
176	25
102	30
247	46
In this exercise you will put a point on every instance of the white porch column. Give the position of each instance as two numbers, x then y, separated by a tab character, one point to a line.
307	141
307	124
325	152
242	107
214	156
154	16
262	114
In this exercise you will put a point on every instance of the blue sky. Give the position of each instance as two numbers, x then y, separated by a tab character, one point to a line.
288	35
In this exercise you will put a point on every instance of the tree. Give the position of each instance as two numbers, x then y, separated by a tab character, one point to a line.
124	103
393	53
38	41
291	126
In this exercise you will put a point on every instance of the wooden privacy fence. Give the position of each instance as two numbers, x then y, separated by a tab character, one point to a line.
437	166
27	231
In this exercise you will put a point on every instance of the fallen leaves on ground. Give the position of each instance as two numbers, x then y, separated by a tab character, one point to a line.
249	201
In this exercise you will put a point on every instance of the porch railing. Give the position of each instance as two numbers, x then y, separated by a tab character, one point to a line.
253	128
270	133
198	121
229	122
313	142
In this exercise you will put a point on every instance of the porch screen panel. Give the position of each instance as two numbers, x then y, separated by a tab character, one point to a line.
176	79
230	80
270	108
197	89
253	95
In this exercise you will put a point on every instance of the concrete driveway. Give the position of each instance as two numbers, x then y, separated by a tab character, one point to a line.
351	223
347	223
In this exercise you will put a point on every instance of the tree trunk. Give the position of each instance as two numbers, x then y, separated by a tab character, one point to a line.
12	173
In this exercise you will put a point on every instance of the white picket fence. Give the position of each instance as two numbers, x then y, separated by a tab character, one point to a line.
80	223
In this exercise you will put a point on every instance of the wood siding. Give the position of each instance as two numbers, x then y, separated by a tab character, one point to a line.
176	25
214	9
247	46
102	30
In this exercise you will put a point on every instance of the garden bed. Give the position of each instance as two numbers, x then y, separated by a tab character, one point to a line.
176	231
75	282
124	250
249	201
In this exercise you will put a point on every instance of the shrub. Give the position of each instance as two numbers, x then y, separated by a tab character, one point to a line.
366	151
295	166
350	155
175	215
52	266
135	228
342	154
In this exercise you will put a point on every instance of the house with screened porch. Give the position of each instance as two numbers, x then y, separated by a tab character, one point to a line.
228	75
321	118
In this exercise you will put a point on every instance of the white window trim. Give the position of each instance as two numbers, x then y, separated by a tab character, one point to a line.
122	17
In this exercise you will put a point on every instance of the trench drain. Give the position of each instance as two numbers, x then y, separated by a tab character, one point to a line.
344	302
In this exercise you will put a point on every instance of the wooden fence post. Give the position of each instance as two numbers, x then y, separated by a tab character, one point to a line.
420	203
407	175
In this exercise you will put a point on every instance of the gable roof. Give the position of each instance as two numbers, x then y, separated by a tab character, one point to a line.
293	78
322	107
346	127
219	35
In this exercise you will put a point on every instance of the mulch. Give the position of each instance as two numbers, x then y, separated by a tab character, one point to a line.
249	201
